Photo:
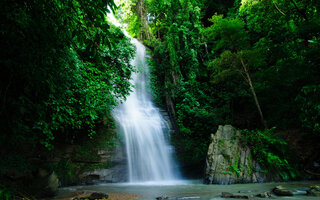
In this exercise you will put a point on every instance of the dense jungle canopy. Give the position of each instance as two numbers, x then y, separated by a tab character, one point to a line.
251	63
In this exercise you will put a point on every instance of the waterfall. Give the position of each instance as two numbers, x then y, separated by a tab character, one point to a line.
148	151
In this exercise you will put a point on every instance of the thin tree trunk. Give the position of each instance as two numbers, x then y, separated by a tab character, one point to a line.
144	27
253	93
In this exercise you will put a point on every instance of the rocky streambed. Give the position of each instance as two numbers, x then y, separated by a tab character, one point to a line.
228	162
196	190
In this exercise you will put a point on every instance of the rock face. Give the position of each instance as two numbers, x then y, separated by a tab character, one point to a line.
229	162
114	173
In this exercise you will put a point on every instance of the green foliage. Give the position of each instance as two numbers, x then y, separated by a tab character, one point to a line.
63	70
134	13
199	73
64	67
66	170
271	43
157	93
309	101
270	151
222	7
83	157
227	33
234	169
127	15
5	194
175	69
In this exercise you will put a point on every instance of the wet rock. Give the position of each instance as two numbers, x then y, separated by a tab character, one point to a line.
79	195
282	191
236	196
229	161
90	179
314	191
114	171
92	196
98	195
264	195
261	195
226	195
162	197
184	198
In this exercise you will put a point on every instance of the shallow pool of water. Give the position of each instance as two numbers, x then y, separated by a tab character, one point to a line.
192	189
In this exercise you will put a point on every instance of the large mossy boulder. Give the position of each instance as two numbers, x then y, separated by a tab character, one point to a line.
229	161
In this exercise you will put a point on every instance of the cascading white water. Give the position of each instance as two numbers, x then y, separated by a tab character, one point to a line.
148	152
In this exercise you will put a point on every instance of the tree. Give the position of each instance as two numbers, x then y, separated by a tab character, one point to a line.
63	69
231	38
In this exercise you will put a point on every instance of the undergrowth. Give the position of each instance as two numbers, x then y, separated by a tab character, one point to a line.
270	151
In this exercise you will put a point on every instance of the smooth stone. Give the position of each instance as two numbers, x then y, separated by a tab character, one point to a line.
282	191
162	197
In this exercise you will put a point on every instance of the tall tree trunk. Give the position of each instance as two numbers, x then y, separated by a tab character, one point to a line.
144	27
253	92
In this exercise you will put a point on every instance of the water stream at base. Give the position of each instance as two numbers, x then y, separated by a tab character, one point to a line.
148	151
193	190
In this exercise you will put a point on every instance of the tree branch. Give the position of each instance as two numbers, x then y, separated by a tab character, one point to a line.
278	8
